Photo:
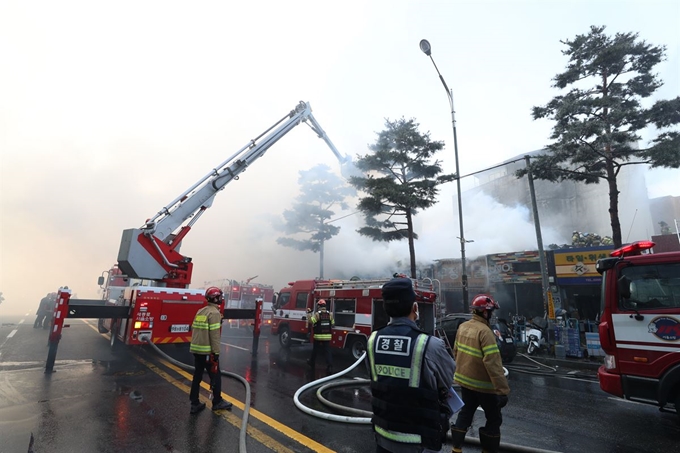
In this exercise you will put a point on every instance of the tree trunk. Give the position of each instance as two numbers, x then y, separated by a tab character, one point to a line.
611	174
321	244
411	244
614	205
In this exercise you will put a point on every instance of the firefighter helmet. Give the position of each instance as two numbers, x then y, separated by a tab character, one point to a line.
321	303
213	294
484	302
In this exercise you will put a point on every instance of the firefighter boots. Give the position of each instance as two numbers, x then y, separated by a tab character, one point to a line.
196	408
489	442
222	405
458	437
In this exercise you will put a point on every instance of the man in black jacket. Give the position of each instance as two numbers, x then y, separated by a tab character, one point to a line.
411	374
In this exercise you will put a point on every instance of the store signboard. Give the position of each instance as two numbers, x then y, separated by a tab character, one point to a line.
448	272
516	267
577	266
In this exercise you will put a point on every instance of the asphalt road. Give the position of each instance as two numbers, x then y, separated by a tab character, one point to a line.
132	399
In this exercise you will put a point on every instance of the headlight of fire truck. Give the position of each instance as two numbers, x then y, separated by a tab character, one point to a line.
609	362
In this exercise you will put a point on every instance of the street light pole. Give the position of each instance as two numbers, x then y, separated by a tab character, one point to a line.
427	50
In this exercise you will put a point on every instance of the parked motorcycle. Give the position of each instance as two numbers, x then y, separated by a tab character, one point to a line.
535	330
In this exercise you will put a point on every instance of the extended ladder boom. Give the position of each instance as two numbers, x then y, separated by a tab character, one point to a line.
151	252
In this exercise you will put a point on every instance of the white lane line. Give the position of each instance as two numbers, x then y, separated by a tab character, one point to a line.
26	314
237	347
621	400
21	322
11	334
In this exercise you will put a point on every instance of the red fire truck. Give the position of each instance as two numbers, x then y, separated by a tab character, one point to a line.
244	295
640	325
153	300
356	306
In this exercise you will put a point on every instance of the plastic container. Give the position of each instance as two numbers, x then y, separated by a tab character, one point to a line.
560	351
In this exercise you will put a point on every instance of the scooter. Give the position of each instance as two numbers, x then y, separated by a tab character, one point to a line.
534	336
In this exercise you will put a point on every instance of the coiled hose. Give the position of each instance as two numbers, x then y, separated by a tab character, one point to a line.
364	417
246	409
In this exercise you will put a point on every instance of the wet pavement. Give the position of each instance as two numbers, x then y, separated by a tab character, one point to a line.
132	399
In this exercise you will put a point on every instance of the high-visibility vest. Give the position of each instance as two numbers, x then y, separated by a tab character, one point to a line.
323	322
205	331
396	355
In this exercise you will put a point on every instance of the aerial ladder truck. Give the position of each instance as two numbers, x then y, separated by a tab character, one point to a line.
159	307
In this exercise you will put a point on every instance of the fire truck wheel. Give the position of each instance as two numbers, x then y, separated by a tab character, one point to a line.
284	337
358	346
100	326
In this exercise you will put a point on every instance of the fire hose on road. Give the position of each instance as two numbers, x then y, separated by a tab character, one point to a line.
364	417
246	408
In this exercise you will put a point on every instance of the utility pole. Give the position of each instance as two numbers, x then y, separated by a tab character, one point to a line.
539	238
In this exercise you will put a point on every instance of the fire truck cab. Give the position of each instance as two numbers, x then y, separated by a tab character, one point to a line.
356	306
640	325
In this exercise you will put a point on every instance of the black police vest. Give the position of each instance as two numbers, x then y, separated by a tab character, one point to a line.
323	324
403	410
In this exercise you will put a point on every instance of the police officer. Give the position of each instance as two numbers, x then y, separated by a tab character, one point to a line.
480	375
411	374
205	345
322	324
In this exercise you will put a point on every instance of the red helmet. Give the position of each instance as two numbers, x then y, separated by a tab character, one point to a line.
213	294
321	302
484	302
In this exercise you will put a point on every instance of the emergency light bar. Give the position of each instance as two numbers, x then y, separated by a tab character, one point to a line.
636	248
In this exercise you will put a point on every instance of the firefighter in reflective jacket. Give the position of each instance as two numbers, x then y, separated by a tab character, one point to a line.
205	345
322	324
480	375
411	375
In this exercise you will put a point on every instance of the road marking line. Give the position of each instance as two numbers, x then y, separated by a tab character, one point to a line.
622	400
22	321
11	334
236	347
234	420
285	430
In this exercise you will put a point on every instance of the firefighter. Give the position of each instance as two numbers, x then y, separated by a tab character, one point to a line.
411	375
44	313
322	323
205	345
480	375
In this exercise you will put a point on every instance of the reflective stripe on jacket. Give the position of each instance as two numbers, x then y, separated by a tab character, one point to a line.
478	361
205	331
404	410
323	322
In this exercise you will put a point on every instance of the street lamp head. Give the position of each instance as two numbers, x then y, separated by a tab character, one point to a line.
425	47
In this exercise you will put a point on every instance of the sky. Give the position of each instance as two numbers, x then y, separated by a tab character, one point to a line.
110	110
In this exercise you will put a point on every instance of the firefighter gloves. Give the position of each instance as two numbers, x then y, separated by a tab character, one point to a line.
213	362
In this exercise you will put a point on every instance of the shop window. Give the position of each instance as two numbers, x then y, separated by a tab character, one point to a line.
345	311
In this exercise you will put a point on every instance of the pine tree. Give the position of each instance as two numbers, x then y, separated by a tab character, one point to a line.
320	190
399	179
598	120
